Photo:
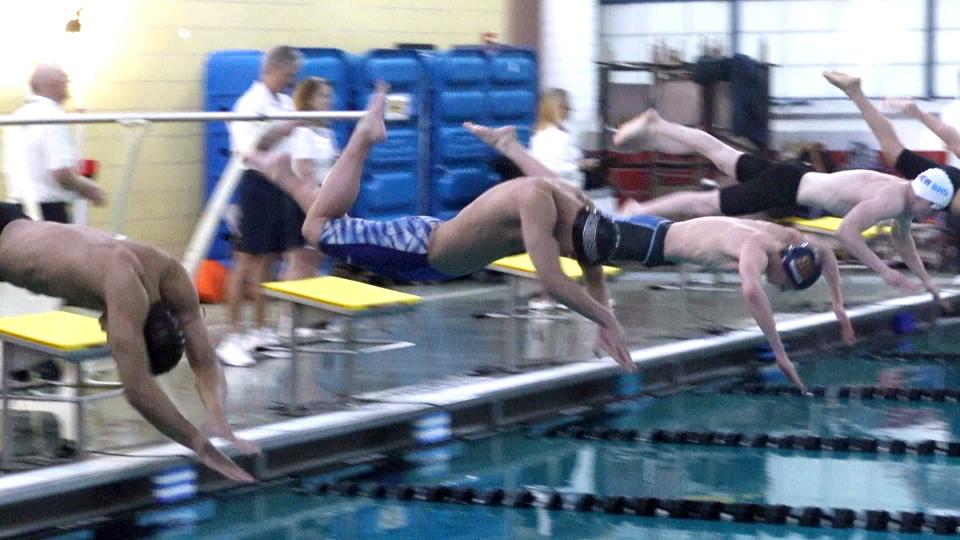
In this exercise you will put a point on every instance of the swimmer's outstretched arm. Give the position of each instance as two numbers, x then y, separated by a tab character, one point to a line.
831	273
753	262
127	304
883	205
538	219
907	249
178	293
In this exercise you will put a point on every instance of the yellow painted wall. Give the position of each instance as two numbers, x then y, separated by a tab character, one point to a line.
149	55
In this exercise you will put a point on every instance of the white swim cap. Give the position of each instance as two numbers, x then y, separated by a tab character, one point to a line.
933	185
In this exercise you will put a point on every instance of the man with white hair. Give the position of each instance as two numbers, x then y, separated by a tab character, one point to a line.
40	159
264	223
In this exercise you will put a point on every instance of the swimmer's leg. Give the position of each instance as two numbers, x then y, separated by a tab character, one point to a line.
882	129
677	205
504	140
651	132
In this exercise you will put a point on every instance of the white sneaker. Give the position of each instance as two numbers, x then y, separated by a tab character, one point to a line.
541	304
261	337
232	352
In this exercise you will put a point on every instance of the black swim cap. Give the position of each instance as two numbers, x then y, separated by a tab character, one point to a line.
595	236
164	338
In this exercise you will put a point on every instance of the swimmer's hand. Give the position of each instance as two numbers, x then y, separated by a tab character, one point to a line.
214	426
892	277
611	340
213	458
846	329
946	306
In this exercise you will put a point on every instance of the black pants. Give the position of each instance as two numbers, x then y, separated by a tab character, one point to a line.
51	211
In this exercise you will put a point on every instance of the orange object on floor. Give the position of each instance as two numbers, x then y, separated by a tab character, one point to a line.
211	282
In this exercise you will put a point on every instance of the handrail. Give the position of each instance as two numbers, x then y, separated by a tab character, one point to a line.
188	116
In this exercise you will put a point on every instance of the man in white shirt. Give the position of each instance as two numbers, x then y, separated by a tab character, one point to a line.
263	221
40	159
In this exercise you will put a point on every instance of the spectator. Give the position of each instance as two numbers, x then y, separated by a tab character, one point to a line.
553	145
263	235
40	159
313	148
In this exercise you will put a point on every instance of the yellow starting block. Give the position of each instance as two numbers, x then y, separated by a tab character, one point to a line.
29	339
520	271
829	225
347	299
522	266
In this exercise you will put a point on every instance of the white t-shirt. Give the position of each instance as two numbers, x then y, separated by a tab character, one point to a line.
258	99
316	143
556	149
33	152
950	115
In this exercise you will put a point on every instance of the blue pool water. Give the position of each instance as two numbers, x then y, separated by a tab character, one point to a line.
526	458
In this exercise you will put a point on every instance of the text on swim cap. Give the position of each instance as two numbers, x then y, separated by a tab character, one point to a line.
935	187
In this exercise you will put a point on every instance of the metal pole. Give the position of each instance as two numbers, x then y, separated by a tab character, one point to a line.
103	118
199	244
930	49
119	206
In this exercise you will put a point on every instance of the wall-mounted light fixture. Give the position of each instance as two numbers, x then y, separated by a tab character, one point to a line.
73	25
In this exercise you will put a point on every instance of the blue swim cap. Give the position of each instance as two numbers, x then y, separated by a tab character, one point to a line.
802	265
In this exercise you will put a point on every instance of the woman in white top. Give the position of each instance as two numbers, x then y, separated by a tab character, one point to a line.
313	149
553	145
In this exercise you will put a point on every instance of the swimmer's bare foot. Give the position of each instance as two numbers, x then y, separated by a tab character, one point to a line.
371	126
637	129
500	138
846	83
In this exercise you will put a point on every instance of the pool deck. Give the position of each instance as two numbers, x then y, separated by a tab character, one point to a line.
676	337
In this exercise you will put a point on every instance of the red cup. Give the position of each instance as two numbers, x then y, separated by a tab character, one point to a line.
88	168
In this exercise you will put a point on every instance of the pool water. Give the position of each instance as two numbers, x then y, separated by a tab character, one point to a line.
526	458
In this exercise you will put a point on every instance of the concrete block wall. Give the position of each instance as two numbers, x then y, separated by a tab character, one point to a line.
148	55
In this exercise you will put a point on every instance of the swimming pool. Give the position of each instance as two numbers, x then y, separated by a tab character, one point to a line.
561	461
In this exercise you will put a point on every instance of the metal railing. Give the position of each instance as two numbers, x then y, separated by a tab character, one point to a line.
199	245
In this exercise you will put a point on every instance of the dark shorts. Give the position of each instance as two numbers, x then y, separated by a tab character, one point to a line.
642	239
293	223
395	249
10	212
910	164
52	211
264	222
764	185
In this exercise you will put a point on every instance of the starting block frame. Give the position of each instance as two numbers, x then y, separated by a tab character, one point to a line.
73	338
518	270
329	294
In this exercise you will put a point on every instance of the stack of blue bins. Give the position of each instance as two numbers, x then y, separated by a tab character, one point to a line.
459	162
228	75
391	185
512	99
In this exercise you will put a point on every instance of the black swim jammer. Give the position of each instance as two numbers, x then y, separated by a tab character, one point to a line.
764	185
